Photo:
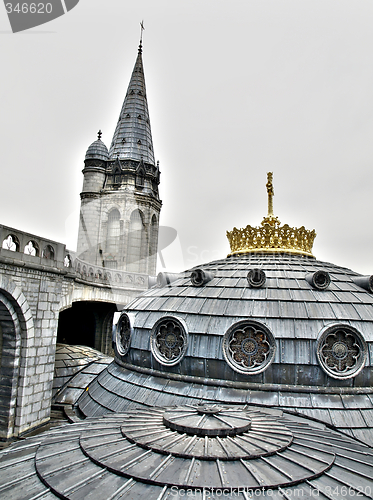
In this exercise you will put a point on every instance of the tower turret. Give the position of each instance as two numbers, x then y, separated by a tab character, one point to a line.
120	205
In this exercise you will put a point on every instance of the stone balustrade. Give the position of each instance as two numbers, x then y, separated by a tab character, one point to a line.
34	251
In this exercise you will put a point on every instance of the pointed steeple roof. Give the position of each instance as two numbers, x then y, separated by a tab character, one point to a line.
132	138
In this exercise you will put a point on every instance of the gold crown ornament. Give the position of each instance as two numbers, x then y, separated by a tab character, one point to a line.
271	237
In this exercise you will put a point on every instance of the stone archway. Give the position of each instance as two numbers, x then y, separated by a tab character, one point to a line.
10	332
18	363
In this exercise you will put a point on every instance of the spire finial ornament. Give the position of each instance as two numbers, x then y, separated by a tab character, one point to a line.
270	192
99	134
271	237
142	29
271	218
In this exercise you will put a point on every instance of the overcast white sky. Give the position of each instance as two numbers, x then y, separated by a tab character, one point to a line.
236	88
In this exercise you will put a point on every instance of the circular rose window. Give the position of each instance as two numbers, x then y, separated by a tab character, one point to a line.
341	351
168	341
249	347
123	335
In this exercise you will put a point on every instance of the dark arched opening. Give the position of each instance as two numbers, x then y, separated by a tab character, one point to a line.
87	323
9	363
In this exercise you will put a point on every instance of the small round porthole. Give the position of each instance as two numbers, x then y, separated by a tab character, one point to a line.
168	341
256	278
341	351
123	335
249	347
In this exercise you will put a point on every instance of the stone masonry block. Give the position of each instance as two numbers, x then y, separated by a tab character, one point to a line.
36	407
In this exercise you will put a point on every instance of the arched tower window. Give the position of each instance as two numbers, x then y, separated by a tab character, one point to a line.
113	232
136	243
153	236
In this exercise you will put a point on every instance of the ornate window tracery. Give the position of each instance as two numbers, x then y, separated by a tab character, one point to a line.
168	341
123	335
341	351
249	347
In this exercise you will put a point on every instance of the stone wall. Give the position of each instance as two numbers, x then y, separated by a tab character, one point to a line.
34	289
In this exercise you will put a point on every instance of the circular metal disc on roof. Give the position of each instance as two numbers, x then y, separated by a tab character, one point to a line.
266	450
207	420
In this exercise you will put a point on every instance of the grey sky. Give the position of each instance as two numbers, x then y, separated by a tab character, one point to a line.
235	89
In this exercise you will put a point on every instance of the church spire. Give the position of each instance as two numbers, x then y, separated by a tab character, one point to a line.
132	138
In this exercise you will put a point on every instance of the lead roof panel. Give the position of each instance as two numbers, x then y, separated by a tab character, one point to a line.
293	310
198	323
171	304
321	310
365	313
233	307
368	418
347	418
345	311
212	306
219	324
279	294
266	308
231	293
208	346
254	293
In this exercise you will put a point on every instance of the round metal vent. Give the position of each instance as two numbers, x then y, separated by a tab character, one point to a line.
200	277
249	347
168	341
341	351
319	279
256	278
123	335
365	282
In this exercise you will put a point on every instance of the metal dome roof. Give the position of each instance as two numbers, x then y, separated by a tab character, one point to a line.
97	151
278	330
186	451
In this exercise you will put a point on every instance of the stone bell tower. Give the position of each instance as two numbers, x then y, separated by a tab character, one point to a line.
120	205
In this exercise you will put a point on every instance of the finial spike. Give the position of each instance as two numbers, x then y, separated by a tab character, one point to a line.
271	193
142	29
99	134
